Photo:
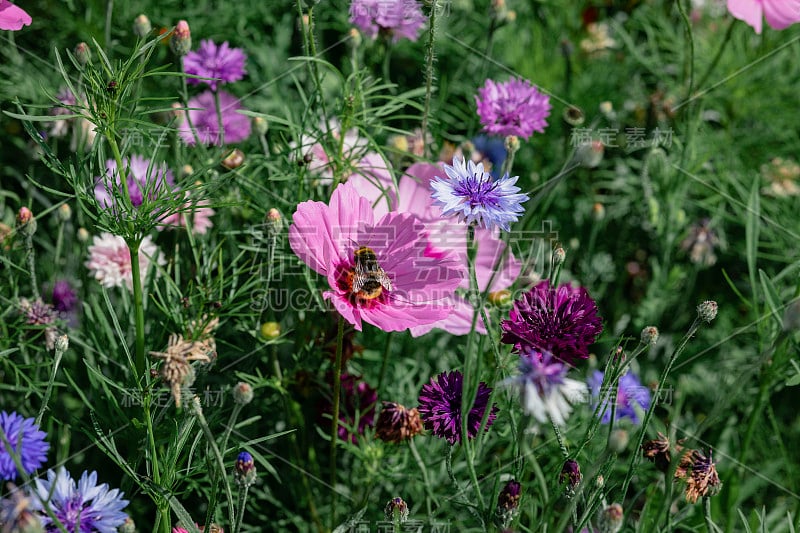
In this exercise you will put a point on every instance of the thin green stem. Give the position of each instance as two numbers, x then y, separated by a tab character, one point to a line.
428	487
109	13
221	127
56	361
138	309
718	55
429	59
656	395
163	506
337	385
31	256
240	507
690	88
198	412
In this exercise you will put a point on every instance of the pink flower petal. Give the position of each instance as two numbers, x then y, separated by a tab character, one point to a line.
12	17
749	11
781	14
373	180
311	237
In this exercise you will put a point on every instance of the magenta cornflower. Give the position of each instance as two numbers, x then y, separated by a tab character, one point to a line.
26	441
221	62
144	178
514	107
84	507
64	297
780	14
395	18
379	269
561	320
440	407
202	113
476	197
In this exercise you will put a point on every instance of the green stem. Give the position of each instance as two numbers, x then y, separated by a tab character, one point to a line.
428	487
221	127
109	13
48	392
718	55
656	396
337	385
31	255
198	412
690	88
429	59
385	361
138	309
163	506
240	507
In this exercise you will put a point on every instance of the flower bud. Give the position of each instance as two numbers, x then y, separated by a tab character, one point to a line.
186	170
142	26
598	212
500	298
62	343
650	335
83	53
181	41
270	330
590	154
128	527
508	502
83	235
260	126
573	116
396	509
233	159
355	38
610	519
570	477
242	393
618	440
245	470
707	310
274	220
64	213
512	144
26	223
558	256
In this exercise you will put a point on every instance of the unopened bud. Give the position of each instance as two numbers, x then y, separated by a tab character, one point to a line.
83	53
500	298
598	212
181	41
234	159
574	116
590	154
274	220
62	343
650	335
618	440
83	235
570	477
270	330
242	393
606	108
508	502
26	223
64	212
396	509
610	519
559	255
245	470
260	126
186	170
142	26
128	527
355	38
512	144
707	310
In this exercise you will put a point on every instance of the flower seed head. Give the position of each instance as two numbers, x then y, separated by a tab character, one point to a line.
707	310
650	335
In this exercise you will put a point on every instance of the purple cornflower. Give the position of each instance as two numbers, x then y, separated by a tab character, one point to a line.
629	393
560	320
64	297
547	393
395	18
205	123
26	441
440	407
39	313
222	62
143	176
476	197
83	508
514	107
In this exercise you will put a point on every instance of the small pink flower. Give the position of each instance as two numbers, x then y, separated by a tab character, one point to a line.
415	284
199	218
11	17
780	14
110	260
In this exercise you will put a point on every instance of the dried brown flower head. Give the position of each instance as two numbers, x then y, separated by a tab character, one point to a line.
703	479
397	424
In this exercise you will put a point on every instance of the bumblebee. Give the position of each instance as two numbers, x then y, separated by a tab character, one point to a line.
369	279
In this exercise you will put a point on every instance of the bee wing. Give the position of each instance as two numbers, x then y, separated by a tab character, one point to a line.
384	279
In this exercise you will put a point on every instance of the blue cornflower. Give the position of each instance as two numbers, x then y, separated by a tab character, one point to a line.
83	508
629	393
472	194
26	440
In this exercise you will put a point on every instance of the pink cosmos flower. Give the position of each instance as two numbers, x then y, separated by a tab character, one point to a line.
110	260
199	218
780	14
414	197
414	284
11	17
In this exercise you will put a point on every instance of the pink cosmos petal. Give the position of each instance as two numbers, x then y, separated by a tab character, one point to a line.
749	11
458	322
345	308
311	237
781	14
373	180
350	212
12	17
402	315
492	256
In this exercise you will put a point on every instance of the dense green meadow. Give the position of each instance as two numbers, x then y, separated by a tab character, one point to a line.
237	281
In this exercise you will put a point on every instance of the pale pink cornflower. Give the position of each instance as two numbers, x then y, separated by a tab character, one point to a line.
110	260
199	216
409	285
